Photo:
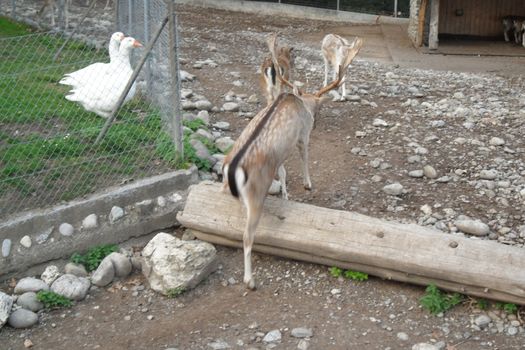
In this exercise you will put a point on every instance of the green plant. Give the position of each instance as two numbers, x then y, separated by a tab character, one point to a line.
348	274
510	308
194	124
483	304
356	275
436	301
336	272
175	292
94	256
53	300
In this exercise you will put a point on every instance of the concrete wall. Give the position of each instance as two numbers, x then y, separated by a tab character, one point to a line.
120	213
293	11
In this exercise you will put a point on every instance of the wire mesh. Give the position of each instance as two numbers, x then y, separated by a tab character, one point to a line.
48	129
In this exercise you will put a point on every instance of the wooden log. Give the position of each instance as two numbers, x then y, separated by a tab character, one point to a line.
401	252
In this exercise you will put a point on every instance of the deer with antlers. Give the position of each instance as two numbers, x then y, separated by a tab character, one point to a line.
260	151
270	85
334	49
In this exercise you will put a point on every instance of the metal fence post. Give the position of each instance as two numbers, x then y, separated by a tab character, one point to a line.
13	9
338	5
395	8
146	39
130	17
116	6
175	78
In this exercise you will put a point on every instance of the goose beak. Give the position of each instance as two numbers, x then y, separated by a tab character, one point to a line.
137	43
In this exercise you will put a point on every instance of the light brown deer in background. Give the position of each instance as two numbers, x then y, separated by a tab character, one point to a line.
270	85
266	142
334	49
51	5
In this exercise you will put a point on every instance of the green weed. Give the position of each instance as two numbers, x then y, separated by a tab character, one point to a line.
175	292
94	256
436	301
348	274
52	300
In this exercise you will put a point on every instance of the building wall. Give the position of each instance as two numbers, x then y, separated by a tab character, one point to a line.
478	18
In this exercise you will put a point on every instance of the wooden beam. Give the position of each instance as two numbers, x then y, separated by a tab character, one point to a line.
401	252
421	22
433	33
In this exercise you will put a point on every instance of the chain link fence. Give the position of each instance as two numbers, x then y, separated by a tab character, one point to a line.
48	151
398	8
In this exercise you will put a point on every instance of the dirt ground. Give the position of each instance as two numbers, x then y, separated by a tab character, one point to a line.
342	314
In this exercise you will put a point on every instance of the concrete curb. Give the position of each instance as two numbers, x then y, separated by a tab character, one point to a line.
295	11
115	215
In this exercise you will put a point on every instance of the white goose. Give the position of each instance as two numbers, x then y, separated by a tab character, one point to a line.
101	93
82	76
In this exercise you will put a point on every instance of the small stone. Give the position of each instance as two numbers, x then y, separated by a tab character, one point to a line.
50	274
474	227
272	336
116	214
22	318
26	242
222	126
335	291
379	123
71	286
488	174
303	345
6	247
512	330
421	150
204	116
224	143
482	321
402	336
104	274
204	105
253	99
121	264
394	189
150	317
188	236
66	229
415	173
90	221
28	343
29	302
275	188
219	344
185	76
424	346
430	172
302	332
6	303
75	269
353	98
30	284
161	201
231	107
496	141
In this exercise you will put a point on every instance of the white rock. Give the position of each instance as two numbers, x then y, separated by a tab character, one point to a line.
22	318
219	344
171	263
430	172
394	189
415	173
379	123
75	269
253	99
116	214
104	273
72	287
185	76
203	105
490	174
90	221
474	227
426	209
222	126
29	301
6	303
424	346
402	336
26	242
50	274
66	229
275	187
6	247
273	336
30	284
121	264
161	201
302	332
204	116
482	321
231	107
496	141
224	143
303	344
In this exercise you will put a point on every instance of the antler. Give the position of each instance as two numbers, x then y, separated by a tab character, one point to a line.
350	54
272	45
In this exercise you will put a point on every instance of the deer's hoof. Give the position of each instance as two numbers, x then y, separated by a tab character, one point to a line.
250	284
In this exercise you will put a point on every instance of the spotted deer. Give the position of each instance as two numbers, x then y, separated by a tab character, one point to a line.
260	151
270	85
335	49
